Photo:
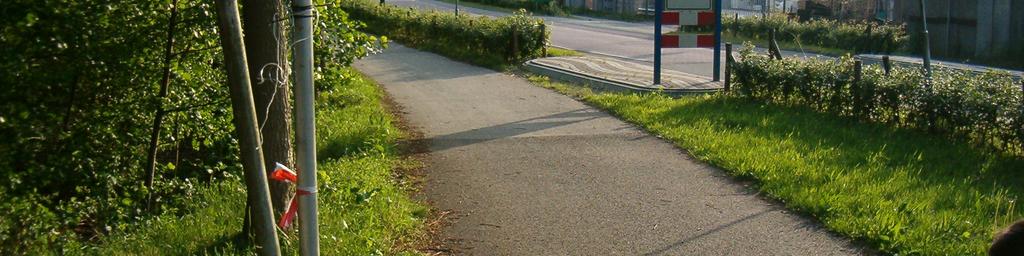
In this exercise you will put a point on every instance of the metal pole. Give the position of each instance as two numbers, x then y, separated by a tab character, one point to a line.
309	234
718	42
244	110
927	43
659	6
456	7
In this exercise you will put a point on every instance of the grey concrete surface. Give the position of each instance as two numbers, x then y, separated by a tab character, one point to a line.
527	171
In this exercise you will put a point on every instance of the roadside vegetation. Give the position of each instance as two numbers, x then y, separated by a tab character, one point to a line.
984	108
365	208
83	86
903	191
489	42
546	7
819	35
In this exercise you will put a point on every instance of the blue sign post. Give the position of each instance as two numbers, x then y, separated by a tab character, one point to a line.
659	7
694	17
718	41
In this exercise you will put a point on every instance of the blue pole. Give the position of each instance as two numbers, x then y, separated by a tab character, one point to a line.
718	41
659	6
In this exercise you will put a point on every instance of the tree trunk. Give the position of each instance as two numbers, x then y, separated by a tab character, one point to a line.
268	70
154	138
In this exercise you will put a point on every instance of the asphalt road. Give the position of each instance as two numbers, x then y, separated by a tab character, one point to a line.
629	40
527	171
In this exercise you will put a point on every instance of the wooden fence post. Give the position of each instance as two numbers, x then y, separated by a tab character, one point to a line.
543	40
515	44
735	23
886	64
728	66
773	46
856	90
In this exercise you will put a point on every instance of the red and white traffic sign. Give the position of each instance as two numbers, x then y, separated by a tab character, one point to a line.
688	18
688	41
688	5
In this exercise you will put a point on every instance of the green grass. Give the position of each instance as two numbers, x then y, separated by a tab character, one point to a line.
900	191
364	207
562	52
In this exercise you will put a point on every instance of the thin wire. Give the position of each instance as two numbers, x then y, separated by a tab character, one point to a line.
278	76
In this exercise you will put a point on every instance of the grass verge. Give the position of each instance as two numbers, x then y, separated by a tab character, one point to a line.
902	191
562	52
365	208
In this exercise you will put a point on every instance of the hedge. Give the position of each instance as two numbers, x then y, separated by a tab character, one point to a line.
858	37
983	107
491	42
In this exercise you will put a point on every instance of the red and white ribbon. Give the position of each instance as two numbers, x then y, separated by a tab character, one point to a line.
283	174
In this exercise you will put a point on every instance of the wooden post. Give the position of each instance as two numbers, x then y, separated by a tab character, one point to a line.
543	40
728	66
515	44
886	64
868	39
773	46
154	138
244	110
856	90
735	23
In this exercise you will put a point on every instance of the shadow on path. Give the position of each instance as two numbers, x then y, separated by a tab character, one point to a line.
666	248
454	140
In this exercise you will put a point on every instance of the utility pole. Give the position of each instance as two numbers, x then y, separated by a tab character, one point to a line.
309	231
244	110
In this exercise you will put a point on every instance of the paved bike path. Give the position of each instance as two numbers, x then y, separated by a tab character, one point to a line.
528	171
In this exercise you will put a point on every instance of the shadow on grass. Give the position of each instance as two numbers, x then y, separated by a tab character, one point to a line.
941	160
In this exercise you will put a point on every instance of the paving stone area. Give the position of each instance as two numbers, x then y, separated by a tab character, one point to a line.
632	73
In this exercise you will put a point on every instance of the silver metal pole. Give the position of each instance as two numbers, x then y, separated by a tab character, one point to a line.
309	233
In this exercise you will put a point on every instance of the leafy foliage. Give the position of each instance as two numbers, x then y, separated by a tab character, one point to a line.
480	40
860	37
81	80
988	108
364	208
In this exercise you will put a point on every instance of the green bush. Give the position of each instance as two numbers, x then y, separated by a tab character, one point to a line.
81	82
859	37
479	40
987	108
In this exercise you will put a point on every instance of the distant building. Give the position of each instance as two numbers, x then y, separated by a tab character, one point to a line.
982	29
975	29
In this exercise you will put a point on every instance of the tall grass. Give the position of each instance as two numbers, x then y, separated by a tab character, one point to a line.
364	208
902	191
